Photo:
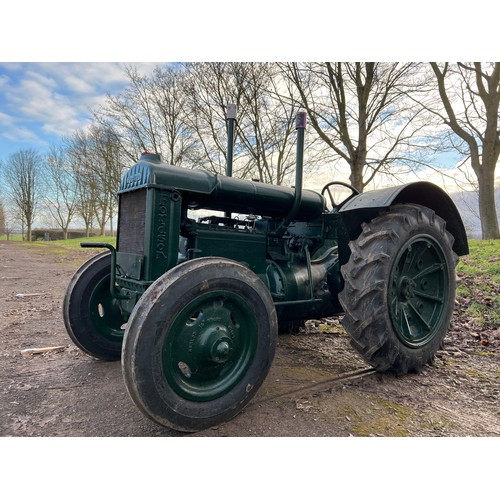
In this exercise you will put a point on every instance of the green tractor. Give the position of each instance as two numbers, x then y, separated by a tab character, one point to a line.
192	303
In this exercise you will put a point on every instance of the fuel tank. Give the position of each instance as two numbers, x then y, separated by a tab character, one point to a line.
204	190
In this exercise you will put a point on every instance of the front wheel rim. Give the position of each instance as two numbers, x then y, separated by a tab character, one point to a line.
210	346
418	291
105	313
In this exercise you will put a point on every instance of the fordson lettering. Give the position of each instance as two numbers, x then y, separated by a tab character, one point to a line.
162	222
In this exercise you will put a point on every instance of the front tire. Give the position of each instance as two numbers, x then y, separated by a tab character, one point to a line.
399	291
92	317
199	344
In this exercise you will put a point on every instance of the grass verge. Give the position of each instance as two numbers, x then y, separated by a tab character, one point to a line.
478	287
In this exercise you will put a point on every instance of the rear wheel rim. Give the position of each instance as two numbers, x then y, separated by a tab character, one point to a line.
418	291
210	346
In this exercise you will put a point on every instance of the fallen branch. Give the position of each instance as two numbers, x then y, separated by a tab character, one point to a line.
41	350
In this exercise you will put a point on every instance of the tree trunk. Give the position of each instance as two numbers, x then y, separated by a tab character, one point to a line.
356	177
111	215
357	166
487	209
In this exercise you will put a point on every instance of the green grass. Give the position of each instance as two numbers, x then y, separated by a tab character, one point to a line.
479	283
483	260
75	243
12	237
65	248
69	244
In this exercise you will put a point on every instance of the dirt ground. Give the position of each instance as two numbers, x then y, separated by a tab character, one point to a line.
64	392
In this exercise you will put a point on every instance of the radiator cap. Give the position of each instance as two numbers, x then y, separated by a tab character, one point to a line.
147	156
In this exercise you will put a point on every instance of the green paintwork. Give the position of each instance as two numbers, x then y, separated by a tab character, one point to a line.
418	291
217	240
161	247
201	189
210	346
104	312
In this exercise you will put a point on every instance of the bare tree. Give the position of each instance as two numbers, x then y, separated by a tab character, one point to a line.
22	175
148	115
209	88
130	113
87	188
11	219
108	169
2	219
264	139
86	182
176	141
180	112
267	124
470	94
60	193
97	165
362	113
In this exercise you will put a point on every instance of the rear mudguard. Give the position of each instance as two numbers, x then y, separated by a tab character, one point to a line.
366	206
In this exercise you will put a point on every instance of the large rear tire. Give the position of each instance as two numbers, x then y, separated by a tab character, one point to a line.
399	291
199	344
92	317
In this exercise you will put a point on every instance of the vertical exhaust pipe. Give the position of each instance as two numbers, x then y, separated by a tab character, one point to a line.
300	126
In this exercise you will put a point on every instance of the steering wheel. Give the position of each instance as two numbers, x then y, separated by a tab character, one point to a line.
326	189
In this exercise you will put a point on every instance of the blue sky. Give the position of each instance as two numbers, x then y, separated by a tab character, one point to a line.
42	102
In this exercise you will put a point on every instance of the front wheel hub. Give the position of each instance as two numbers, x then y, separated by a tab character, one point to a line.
214	344
210	347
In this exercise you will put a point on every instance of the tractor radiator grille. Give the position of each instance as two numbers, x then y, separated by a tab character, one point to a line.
132	222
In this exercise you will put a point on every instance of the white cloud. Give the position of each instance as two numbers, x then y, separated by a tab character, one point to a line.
76	84
4	81
36	102
56	97
6	119
12	131
22	134
91	77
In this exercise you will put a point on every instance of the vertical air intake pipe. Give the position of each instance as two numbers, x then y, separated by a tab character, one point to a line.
231	121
